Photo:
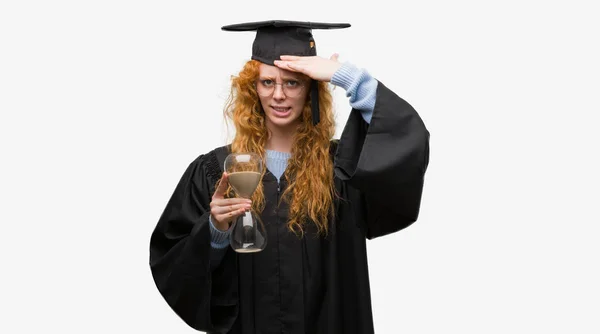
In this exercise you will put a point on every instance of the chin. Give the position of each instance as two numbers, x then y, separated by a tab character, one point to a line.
283	122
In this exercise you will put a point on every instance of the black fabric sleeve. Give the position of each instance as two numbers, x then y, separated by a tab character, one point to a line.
180	257
386	160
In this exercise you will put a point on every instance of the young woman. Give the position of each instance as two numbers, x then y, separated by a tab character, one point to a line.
320	198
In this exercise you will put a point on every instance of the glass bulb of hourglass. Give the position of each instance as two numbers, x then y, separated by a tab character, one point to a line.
244	172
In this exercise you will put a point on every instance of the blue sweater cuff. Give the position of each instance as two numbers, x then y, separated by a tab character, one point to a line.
360	87
218	239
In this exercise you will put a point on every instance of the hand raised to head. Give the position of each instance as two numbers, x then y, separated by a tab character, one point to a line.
315	67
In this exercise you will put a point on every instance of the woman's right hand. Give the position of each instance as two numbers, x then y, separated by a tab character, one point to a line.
224	210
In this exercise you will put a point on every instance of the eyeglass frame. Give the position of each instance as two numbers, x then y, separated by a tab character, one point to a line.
301	83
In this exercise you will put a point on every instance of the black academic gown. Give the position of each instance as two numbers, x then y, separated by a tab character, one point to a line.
310	285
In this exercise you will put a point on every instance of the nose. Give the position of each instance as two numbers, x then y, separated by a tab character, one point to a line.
278	93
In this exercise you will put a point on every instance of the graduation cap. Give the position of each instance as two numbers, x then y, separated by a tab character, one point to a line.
275	38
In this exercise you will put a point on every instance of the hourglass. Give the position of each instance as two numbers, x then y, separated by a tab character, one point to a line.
244	172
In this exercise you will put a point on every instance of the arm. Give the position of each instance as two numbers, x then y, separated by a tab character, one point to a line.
180	256
219	242
386	160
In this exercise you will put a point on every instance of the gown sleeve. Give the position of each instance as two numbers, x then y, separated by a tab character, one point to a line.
386	161
180	256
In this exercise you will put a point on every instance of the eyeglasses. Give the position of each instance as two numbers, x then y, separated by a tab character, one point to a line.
291	88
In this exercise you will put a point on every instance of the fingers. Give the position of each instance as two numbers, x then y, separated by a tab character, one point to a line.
222	187
229	216
229	201
226	209
294	63
289	65
335	57
294	66
291	57
317	68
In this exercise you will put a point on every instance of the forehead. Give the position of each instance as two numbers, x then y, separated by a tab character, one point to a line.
274	71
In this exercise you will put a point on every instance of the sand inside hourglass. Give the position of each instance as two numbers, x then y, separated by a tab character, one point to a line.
248	250
244	183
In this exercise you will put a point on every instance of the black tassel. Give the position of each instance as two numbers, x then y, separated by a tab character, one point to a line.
314	97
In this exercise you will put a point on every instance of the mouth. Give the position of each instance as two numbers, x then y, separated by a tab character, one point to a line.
281	111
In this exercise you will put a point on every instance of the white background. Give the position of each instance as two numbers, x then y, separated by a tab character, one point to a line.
104	104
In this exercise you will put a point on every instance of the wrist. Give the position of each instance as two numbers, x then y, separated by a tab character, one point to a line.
221	227
346	75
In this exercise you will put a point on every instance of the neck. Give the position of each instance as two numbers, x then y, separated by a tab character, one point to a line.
281	139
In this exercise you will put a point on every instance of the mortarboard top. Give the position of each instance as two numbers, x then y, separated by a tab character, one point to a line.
276	37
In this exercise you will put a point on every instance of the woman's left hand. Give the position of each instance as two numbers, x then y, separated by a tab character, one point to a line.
316	67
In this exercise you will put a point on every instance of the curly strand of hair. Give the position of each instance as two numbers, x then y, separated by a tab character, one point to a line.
311	169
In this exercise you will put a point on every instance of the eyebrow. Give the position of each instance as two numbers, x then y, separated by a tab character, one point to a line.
272	77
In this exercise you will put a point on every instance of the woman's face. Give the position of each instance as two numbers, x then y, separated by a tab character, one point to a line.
282	110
